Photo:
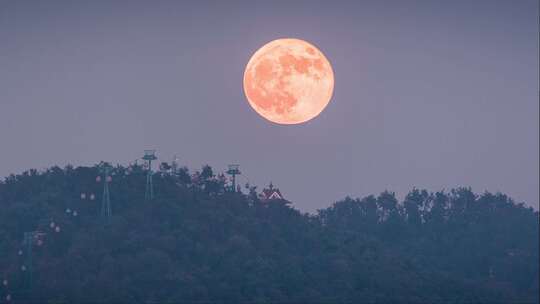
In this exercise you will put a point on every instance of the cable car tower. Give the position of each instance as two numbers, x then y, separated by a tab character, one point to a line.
106	211
174	167
233	170
149	156
30	238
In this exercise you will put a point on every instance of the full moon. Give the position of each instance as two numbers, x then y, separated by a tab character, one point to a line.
288	81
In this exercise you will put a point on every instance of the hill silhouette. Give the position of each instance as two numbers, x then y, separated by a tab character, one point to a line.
197	242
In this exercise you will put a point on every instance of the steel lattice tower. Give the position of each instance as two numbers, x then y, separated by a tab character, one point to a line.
149	156
174	167
106	211
28	243
233	170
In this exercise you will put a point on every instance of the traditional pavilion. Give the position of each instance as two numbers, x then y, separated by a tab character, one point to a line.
270	193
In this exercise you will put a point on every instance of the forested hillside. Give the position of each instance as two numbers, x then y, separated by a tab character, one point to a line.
197	242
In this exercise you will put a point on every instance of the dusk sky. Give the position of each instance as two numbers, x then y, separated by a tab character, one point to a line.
428	94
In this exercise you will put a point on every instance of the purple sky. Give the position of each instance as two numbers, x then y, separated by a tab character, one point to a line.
428	94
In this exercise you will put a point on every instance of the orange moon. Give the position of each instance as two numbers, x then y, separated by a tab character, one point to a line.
288	81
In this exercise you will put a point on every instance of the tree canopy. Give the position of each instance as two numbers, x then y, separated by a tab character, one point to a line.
199	242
